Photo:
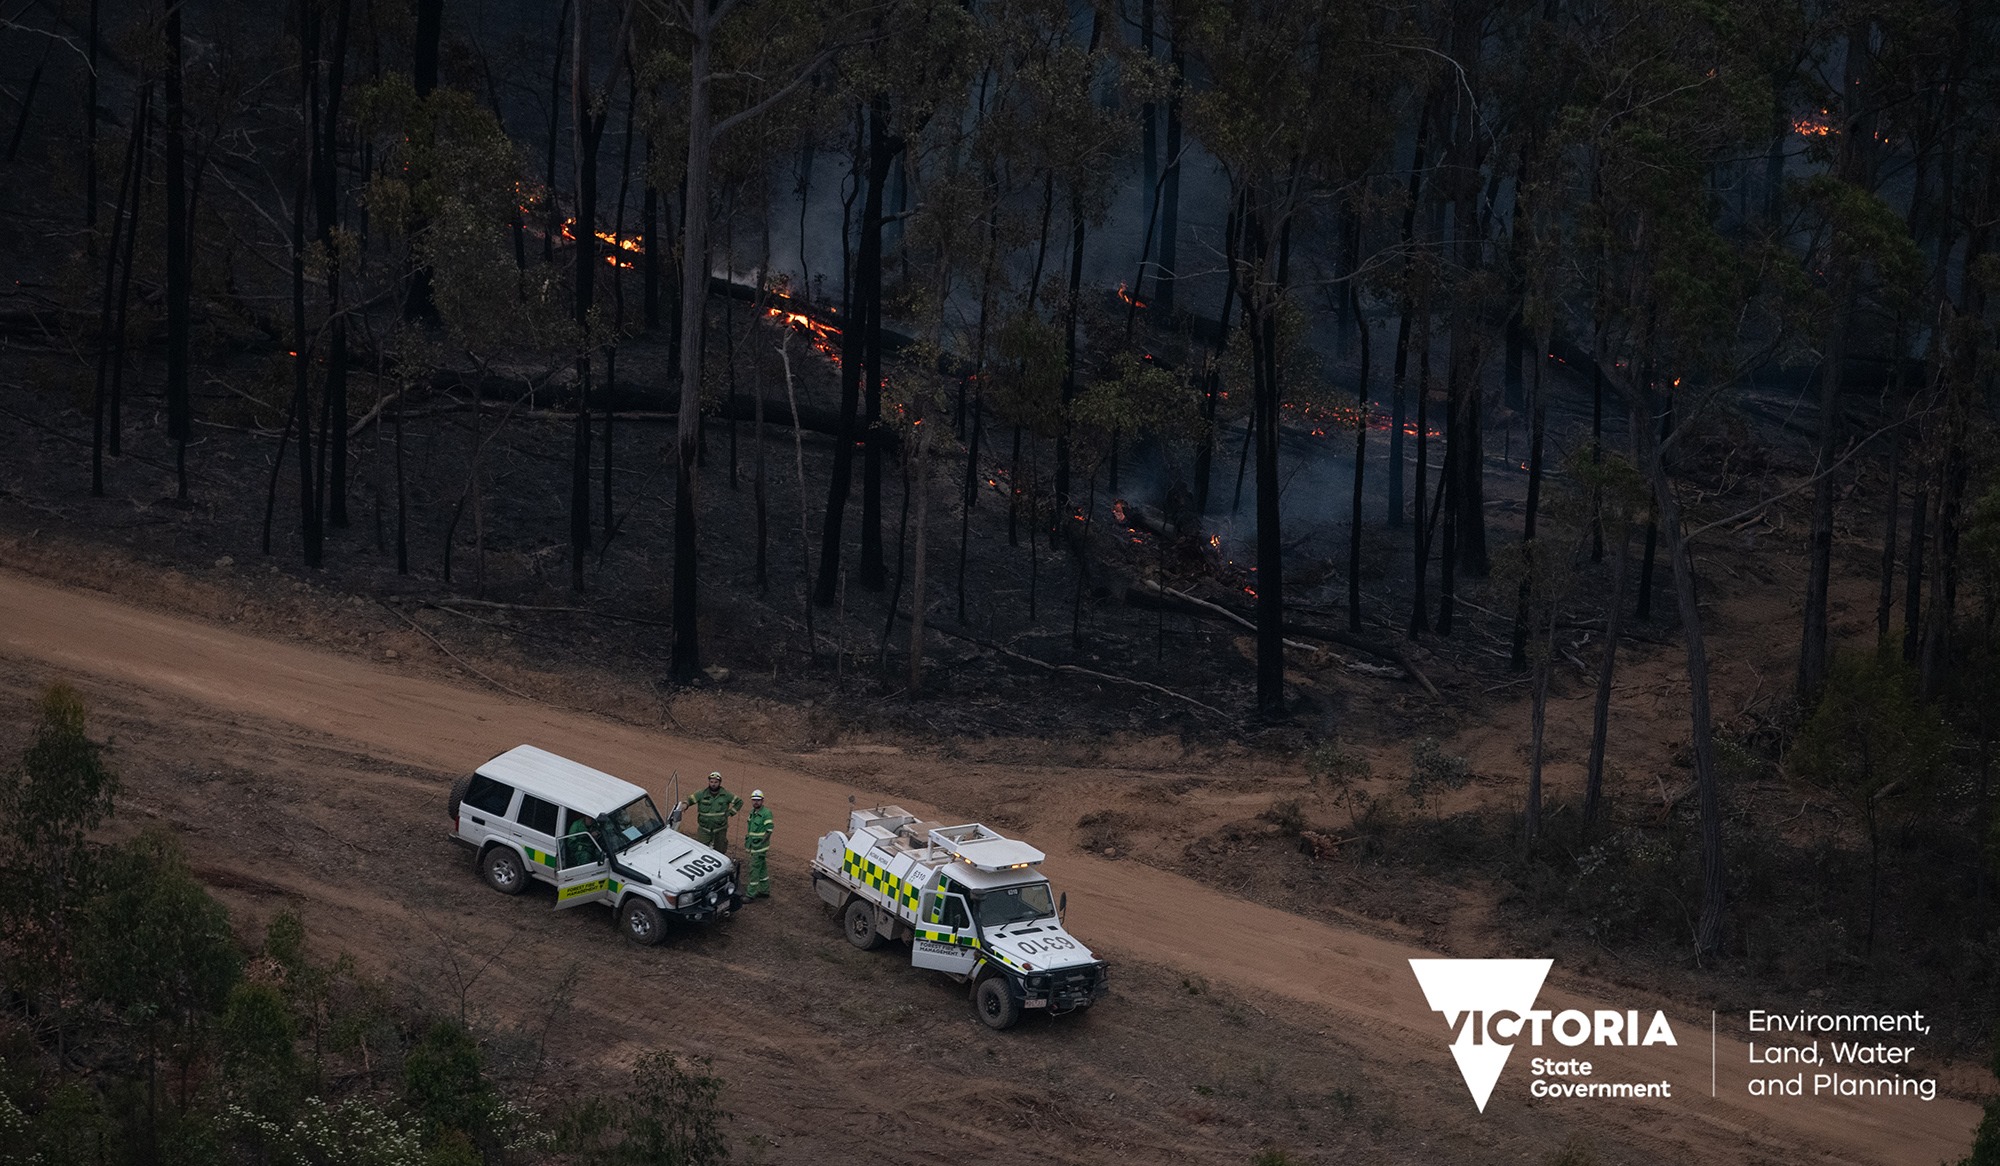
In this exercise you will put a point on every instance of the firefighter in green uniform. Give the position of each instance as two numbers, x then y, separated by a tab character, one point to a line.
757	840
713	807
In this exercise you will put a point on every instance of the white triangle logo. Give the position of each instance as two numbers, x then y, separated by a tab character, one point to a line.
1483	988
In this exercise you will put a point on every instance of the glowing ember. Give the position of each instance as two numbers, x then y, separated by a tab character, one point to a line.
1215	540
636	244
1127	296
1118	512
825	337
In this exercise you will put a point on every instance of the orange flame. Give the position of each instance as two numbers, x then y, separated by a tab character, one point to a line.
825	337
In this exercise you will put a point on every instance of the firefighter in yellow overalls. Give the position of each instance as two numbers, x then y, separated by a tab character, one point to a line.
713	807
757	840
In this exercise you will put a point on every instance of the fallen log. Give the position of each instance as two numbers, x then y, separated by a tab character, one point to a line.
1147	593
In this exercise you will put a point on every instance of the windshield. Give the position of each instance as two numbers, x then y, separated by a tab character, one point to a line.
1014	905
632	823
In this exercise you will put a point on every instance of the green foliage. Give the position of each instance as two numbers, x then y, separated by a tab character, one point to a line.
673	1114
157	946
1140	398
1867	230
448	178
1339	772
1433	771
285	942
669	1116
49	803
444	1082
1870	739
259	1060
62	789
65	1124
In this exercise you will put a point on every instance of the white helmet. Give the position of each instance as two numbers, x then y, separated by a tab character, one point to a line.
756	795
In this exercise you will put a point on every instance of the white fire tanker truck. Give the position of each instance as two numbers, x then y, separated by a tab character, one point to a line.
970	902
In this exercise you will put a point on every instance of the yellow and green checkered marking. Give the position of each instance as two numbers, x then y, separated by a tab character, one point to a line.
541	856
897	890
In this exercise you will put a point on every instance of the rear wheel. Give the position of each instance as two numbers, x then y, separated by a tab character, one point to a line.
641	922
860	925
996	1003
503	872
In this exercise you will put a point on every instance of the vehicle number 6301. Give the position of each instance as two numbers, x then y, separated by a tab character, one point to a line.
700	866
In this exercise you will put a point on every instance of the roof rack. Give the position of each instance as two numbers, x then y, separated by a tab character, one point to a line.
984	848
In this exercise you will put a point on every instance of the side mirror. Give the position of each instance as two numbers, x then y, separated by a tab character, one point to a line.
1062	905
674	819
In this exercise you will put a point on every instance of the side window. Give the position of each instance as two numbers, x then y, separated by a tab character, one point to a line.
580	850
954	913
538	815
488	795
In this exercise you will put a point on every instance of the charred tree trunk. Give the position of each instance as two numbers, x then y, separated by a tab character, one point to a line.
1886	600
1600	712
90	128
1064	509
309	526
867	267
326	180
1913	584
1420	528
128	196
1538	426
180	259
1709	927
686	662
1170	208
1204	458
1265	296
882	151
649	259
420	304
1360	439
552	216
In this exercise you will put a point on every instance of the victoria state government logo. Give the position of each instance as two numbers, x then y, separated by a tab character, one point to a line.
1489	1007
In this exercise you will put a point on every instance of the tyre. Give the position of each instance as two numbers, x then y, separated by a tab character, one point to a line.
860	925
641	922
996	1003
458	789
503	871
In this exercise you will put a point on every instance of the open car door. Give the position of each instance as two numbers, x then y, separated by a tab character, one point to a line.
582	875
946	940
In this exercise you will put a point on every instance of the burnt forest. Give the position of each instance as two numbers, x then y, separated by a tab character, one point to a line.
1509	478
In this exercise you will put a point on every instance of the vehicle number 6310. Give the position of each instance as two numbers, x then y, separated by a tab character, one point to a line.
700	866
1052	943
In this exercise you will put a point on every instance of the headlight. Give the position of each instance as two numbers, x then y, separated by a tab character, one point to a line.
712	896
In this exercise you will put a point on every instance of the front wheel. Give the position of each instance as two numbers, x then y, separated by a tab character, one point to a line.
503	871
641	922
996	1003
860	925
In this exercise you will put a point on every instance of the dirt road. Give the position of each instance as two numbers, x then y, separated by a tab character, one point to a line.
316	780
